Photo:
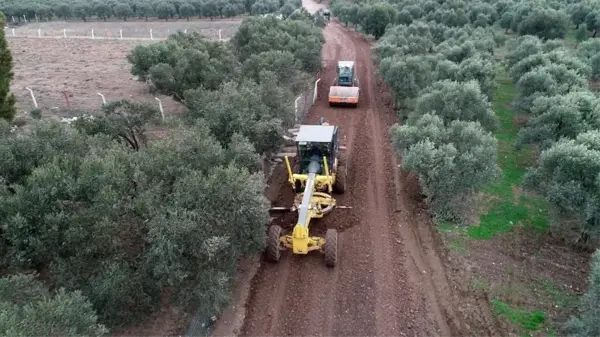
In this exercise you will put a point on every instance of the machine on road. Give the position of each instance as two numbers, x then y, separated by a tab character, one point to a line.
344	90
320	171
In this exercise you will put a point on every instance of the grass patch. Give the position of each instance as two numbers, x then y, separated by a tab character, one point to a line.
570	39
527	320
561	298
508	209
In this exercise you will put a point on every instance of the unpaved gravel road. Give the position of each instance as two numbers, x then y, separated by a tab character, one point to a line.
389	280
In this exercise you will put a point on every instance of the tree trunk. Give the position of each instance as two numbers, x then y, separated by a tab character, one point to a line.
595	32
188	18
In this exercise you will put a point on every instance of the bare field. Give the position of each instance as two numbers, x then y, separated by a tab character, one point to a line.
86	67
83	68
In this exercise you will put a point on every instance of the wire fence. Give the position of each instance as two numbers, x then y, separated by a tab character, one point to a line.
114	34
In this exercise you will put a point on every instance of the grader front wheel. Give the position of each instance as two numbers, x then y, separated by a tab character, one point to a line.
331	248
273	251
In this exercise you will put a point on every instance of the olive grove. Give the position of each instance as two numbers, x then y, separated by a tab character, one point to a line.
563	122
47	10
116	218
438	61
552	88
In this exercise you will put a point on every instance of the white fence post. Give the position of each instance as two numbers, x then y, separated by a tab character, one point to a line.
93	34
296	108
185	31
121	33
103	99
65	32
36	18
219	35
24	18
160	107
13	31
315	94
39	32
151	37
32	97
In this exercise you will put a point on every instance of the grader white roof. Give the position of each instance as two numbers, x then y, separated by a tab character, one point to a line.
315	133
343	64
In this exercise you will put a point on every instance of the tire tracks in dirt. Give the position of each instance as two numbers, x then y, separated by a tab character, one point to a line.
378	287
424	267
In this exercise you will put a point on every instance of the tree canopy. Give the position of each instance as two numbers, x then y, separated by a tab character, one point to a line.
112	216
47	10
451	160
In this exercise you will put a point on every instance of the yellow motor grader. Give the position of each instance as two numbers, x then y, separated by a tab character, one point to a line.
320	172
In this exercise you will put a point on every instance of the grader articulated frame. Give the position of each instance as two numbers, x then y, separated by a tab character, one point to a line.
318	151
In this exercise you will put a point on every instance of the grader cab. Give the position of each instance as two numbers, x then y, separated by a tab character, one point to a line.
320	171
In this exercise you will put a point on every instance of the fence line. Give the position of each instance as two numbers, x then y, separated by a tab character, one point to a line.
106	36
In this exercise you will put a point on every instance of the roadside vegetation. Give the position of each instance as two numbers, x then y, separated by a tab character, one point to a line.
498	113
110	217
48	10
103	221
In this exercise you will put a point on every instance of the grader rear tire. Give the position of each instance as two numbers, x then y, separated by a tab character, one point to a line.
340	181
273	251
331	248
340	178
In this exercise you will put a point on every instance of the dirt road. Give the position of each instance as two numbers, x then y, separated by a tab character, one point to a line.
389	280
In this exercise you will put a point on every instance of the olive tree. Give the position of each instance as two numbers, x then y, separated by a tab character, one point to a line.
545	23
301	38
28	308
482	70
7	99
578	12
451	100
254	110
557	56
562	116
123	10
549	80
589	51
377	17
406	76
567	176
182	62
452	160
522	47
415	39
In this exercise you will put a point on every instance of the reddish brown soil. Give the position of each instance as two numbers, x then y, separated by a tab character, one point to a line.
389	280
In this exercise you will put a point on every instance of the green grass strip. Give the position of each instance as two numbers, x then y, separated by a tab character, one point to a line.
528	320
507	209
